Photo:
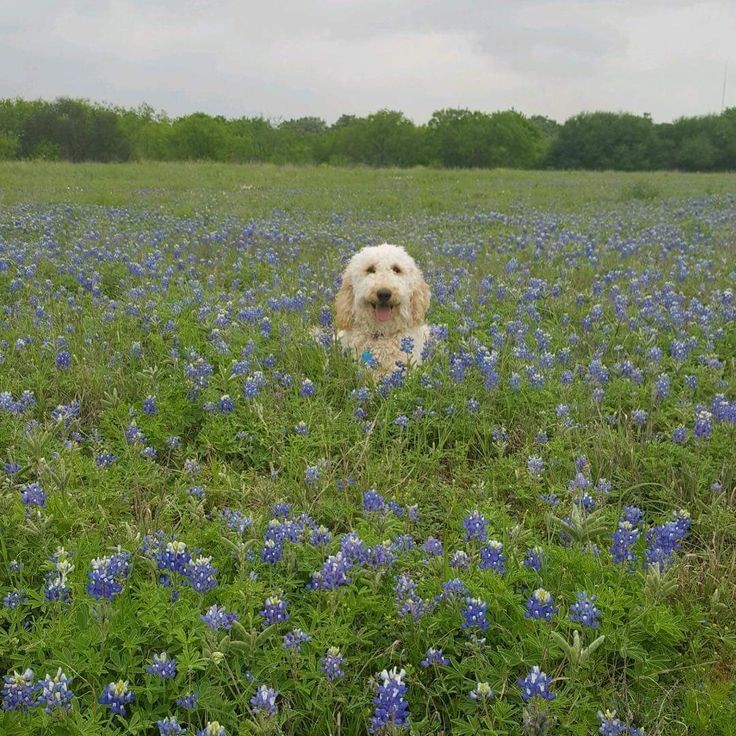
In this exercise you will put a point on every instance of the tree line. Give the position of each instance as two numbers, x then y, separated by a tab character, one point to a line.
79	130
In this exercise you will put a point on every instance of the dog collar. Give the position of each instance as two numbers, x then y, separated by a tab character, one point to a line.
367	357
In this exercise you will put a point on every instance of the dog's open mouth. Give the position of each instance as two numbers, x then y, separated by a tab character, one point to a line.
382	312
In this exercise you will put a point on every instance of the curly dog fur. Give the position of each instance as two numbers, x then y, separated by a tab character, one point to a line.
383	299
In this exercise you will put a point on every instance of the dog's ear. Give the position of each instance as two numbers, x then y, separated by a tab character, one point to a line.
344	304
419	302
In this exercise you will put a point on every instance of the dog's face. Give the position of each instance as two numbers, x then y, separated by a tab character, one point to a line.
382	289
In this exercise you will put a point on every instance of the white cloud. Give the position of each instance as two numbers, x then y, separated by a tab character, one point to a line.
310	57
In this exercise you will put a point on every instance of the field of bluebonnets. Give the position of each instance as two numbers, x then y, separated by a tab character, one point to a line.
214	523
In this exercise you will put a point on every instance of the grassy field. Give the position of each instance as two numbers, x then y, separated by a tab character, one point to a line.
185	470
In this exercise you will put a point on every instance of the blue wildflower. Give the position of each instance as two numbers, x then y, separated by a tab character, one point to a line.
18	690
476	526
584	611
116	696
264	701
331	664
492	557
163	666
474	614
54	692
274	610
169	726
217	618
200	574
540	605
392	709
535	684
434	656
294	640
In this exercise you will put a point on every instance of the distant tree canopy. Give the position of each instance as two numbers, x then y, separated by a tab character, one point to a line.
79	130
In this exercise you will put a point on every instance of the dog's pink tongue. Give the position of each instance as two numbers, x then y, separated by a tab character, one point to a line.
383	313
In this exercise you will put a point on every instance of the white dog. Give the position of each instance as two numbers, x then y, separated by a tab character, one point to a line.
382	300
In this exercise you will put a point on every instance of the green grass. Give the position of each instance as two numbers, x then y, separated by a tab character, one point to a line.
133	265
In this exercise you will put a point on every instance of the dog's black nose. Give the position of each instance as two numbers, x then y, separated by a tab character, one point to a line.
383	295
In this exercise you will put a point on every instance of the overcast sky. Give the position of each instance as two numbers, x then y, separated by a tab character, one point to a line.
284	59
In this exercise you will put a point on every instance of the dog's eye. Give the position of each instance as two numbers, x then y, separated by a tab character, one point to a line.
370	269
396	269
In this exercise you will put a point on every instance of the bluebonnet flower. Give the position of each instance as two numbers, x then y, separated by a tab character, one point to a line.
236	520
407	599
105	459
107	575
492	557
540	605
432	547
271	551
149	452
320	536
312	474
584	611
354	549
333	573
163	666
679	435
434	656
664	540
200	574
703	424
460	559
217	618
383	555
476	526
392	709
301	428
14	598
169	726
633	515
639	416
535	465
406	345
624	539
63	359
533	558
53	692
188	701
264	701
610	725
454	588
535	684
196	491
274	610
212	728
331	664
149	405
474	614
307	388
481	691
473	405
294	640
116	696
662	386
18	690
173	556
226	404
402	421
56	587
33	495
373	501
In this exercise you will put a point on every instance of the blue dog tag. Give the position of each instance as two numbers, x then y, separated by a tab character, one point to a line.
367	357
